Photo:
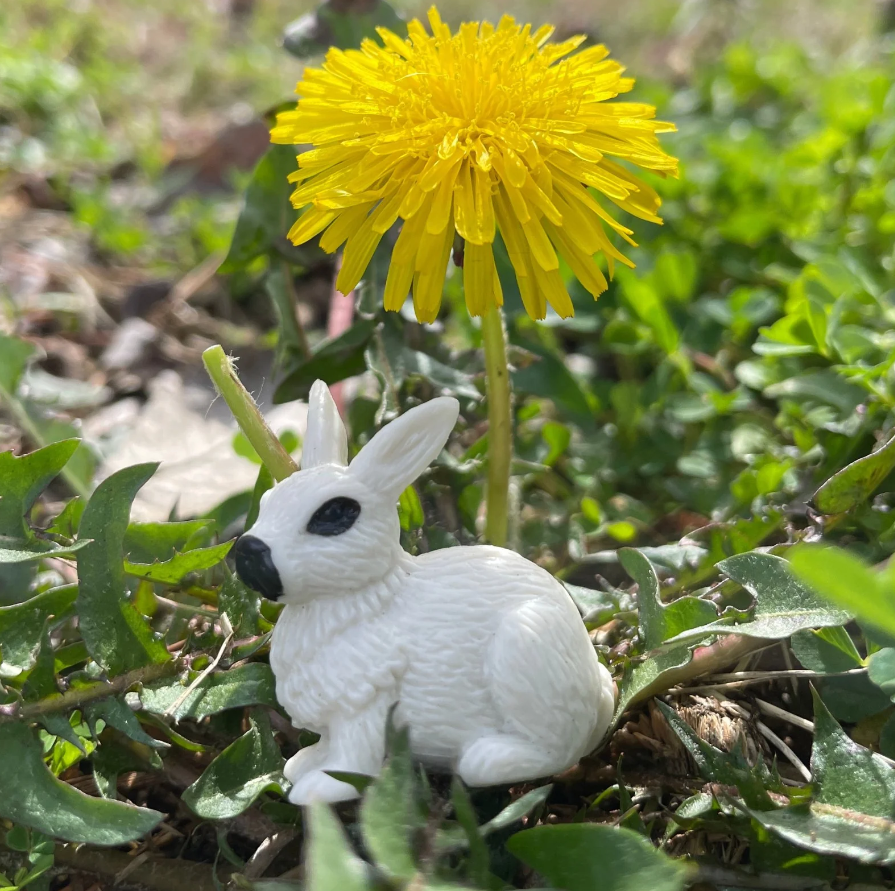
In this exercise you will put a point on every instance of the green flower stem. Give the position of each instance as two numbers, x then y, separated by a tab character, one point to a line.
500	427
222	373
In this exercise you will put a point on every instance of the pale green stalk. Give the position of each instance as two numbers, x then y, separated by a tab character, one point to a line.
500	427
270	450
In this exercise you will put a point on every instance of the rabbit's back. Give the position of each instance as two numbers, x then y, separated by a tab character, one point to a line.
482	627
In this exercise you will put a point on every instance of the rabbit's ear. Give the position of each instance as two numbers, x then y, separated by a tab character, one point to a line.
403	449
326	440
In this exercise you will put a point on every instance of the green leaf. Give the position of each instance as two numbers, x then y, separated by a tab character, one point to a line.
241	604
177	738
477	859
332	361
23	478
331	865
116	713
771	856
783	605
846	581
314	33
388	813
826	651
856	482
383	357
32	796
68	747
33	553
21	624
61	393
41	683
280	287
18	839
881	669
558	438
77	469
109	761
887	737
246	768
251	684
848	775
117	636
39	864
585	856
647	303
14	357
359	781
676	274
596	606
517	809
145	542
394	362
853	698
441	376
67	521
547	377
410	510
659	622
697	806
825	386
827	829
267	213
170	572
263	483
854	800
454	836
653	675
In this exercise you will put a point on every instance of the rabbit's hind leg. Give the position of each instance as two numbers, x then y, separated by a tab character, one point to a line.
501	759
545	679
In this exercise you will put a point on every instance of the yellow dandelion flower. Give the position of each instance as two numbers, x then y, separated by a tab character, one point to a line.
487	130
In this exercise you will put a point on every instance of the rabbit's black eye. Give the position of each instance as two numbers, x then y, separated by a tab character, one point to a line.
334	517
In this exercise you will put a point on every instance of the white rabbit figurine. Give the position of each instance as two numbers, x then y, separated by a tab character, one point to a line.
483	652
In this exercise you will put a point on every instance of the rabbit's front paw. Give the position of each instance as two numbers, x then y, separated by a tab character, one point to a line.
319	786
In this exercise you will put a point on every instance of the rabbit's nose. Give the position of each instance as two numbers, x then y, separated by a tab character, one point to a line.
254	565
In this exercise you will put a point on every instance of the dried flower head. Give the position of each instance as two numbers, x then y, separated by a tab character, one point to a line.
486	130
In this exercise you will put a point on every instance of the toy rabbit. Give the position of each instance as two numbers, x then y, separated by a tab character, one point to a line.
483	652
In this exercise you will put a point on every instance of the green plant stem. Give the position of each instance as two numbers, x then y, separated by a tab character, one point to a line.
500	427
80	696
222	373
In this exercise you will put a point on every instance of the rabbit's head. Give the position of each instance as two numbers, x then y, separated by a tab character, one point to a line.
332	527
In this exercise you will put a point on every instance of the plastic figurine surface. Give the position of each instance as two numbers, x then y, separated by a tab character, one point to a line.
483	652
